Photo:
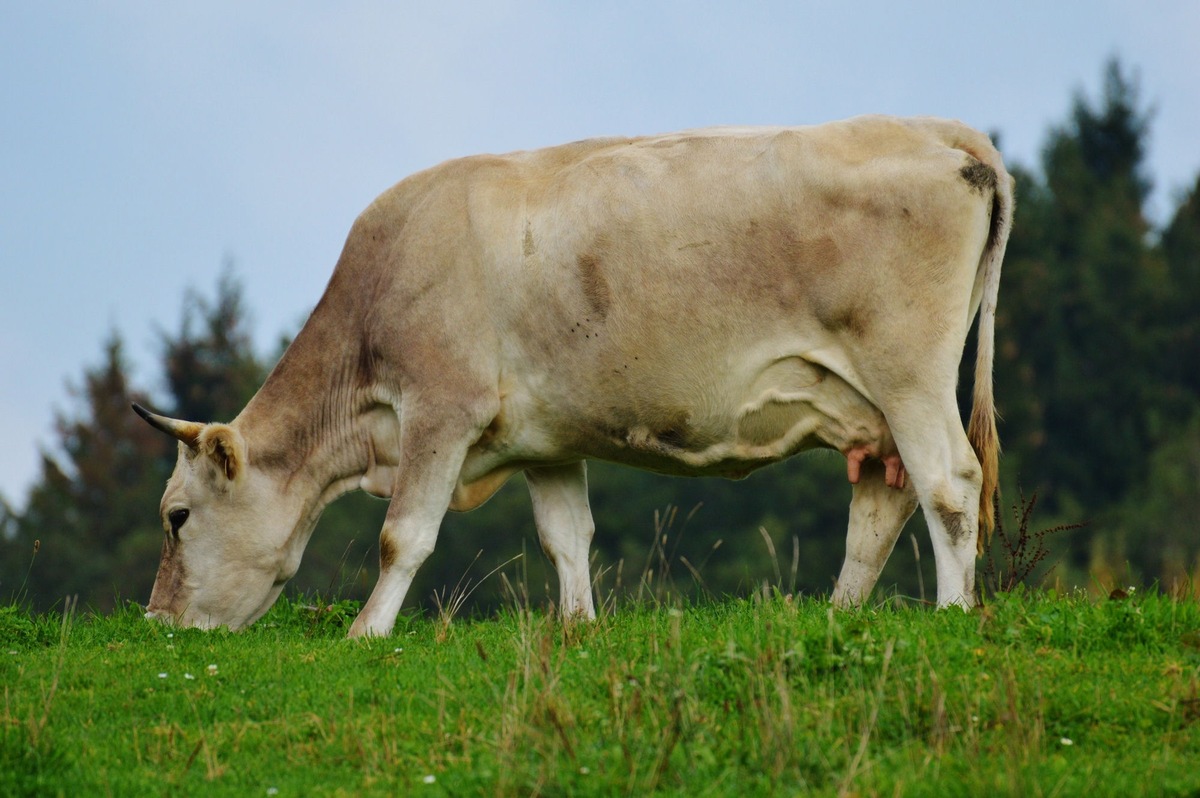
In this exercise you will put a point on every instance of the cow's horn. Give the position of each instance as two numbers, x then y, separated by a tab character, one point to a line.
186	431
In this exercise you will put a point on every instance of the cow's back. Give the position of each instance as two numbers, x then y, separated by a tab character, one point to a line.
650	283
689	250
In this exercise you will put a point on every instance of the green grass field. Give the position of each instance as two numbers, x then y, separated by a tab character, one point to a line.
1031	695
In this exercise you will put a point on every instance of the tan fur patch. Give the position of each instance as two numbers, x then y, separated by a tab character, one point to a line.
595	287
387	552
168	584
528	248
850	319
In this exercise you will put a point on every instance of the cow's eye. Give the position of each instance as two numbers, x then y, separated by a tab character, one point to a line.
177	518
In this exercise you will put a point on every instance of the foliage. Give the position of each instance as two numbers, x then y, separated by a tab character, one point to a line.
213	372
94	513
1180	321
85	525
1031	695
1160	521
1081	291
1097	336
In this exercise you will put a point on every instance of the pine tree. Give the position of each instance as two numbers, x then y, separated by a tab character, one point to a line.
211	372
94	509
1028	321
88	511
1180	246
1081	326
1155	528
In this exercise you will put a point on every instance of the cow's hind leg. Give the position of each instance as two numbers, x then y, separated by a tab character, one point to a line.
433	448
877	514
565	527
948	480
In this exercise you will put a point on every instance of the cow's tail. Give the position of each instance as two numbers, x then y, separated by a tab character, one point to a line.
981	430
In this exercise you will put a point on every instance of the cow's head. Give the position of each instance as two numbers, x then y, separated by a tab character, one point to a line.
229	531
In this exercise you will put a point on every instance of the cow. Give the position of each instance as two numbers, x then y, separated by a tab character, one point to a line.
702	303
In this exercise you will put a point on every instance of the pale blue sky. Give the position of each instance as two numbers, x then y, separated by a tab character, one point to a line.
143	143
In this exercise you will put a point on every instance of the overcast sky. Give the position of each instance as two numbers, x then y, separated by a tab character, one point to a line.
143	144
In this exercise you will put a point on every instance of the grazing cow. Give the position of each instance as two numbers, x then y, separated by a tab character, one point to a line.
700	303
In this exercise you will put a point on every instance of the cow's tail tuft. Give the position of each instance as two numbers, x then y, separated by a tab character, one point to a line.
981	430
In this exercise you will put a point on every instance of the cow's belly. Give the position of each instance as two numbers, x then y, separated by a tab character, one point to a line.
730	426
709	425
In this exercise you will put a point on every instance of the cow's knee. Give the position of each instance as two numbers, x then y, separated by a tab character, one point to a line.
405	553
952	516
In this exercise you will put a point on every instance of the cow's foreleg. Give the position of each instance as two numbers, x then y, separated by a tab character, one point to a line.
877	514
431	460
565	527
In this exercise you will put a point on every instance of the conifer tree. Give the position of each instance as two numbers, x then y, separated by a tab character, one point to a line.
88	511
1180	245
1082	290
94	508
210	365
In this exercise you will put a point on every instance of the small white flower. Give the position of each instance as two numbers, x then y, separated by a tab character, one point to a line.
429	778
212	670
272	791
584	770
170	635
397	651
188	676
162	675
1066	741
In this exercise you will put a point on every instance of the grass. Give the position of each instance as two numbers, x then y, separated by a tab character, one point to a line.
1031	695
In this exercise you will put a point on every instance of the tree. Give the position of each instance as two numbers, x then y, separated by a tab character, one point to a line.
94	509
1081	330
1156	527
211	372
1180	245
88	511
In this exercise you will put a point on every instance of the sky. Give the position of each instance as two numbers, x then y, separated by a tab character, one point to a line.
144	145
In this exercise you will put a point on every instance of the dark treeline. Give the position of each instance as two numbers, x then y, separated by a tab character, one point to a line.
1097	384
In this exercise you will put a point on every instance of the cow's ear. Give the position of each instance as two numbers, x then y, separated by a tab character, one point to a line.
226	447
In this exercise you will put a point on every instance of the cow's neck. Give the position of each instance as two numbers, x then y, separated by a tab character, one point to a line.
307	422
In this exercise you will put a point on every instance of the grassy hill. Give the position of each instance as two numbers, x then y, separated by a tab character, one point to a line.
1031	695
